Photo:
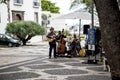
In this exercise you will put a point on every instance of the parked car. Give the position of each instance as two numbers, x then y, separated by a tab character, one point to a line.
9	41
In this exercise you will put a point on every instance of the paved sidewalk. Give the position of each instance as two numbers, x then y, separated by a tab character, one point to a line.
32	63
9	55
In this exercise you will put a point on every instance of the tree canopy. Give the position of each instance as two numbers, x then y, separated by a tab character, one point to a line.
4	1
88	4
25	30
49	6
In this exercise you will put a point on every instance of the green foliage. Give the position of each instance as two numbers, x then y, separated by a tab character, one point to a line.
88	4
44	17
4	1
49	6
25	30
74	3
67	32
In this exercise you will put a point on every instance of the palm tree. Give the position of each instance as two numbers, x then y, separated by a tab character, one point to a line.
7	2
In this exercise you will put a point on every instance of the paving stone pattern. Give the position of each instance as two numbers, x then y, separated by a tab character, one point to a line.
40	67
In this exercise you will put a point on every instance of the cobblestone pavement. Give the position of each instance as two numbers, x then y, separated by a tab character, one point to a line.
32	63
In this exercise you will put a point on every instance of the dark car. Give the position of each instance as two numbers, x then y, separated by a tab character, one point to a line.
8	40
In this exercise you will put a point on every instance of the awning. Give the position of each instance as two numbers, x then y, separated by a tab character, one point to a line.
77	15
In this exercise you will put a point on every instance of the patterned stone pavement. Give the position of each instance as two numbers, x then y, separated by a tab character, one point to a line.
31	63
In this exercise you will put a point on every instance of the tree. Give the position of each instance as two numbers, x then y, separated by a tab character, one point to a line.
25	30
7	2
3	1
109	17
74	3
87	2
49	6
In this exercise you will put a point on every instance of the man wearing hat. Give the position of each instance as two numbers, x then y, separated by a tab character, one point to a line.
52	42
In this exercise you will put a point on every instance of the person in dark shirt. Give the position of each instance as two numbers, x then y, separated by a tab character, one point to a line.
60	35
52	42
75	44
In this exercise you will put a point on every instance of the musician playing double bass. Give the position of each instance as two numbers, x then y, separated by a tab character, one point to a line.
60	35
61	42
52	42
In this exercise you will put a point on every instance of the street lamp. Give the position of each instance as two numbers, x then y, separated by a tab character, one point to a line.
79	27
91	33
92	17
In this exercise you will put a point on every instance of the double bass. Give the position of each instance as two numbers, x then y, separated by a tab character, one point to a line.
61	44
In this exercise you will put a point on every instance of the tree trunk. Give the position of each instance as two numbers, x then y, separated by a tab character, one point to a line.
109	17
28	38
24	42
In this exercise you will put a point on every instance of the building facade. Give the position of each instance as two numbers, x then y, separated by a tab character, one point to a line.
28	10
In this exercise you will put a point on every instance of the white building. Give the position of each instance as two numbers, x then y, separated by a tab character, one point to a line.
20	10
58	24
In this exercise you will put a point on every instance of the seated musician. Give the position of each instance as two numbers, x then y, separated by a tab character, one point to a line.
75	44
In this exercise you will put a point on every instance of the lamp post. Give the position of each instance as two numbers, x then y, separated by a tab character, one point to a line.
91	33
92	17
79	27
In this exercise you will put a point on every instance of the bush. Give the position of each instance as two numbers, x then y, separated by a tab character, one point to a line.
25	30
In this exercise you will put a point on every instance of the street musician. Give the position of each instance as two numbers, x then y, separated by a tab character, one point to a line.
52	42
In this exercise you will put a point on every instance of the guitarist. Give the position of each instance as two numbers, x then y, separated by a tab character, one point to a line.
52	44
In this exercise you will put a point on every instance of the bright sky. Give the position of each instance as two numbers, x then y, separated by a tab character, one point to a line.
63	4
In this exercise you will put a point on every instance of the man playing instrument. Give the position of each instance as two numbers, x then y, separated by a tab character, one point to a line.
75	44
52	42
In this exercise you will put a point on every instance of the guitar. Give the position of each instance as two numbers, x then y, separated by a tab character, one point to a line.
51	39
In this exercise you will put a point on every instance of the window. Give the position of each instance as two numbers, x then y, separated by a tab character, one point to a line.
18	2
36	3
17	15
36	17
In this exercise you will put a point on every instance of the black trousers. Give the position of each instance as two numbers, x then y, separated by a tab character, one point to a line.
52	46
